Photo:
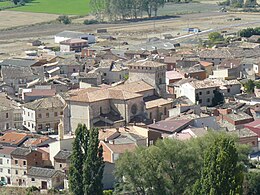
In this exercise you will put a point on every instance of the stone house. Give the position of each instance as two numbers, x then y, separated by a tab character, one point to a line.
61	160
158	109
10	113
13	139
22	159
43	114
45	178
154	73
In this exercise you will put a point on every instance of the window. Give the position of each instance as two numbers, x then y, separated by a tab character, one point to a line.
24	122
33	179
1	170
60	165
7	161
40	126
151	115
29	124
7	125
165	110
39	115
100	110
28	113
208	92
24	172
105	74
208	100
1	161
32	125
6	115
9	171
24	163
55	113
61	113
200	101
16	172
16	162
47	115
228	90
200	93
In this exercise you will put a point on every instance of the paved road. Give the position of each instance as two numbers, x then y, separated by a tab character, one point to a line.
52	29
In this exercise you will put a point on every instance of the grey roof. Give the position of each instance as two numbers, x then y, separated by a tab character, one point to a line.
70	34
41	172
63	155
11	72
49	102
18	62
21	151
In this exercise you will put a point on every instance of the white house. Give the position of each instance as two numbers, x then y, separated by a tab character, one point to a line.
5	164
65	35
202	92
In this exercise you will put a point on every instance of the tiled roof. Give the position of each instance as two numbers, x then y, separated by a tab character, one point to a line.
121	148
18	62
174	74
41	92
211	83
13	138
11	72
146	63
74	40
21	151
6	150
170	126
157	103
135	87
204	63
96	94
50	102
63	155
41	172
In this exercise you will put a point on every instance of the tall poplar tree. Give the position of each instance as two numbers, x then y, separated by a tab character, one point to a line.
76	163
221	173
87	165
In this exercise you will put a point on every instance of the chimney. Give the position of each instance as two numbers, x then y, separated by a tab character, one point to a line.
112	141
61	130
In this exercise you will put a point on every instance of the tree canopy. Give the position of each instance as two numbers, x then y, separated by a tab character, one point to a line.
172	166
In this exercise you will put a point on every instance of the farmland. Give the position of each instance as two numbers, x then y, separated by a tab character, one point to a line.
67	7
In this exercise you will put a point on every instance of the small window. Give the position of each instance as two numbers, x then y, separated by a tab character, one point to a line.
6	115
29	124
105	74
16	162
32	125
1	161
24	172
7	161
40	126
61	113
165	110
208	92
39	115
33	179
9	171
47	115
208	100
16	172
24	163
228	90
200	93
60	165
55	113
1	170
200	101
28	113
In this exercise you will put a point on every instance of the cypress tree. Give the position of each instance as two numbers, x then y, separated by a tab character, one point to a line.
93	166
76	162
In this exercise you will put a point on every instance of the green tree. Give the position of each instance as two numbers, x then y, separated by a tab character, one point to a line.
87	165
252	183
215	37
218	98
222	173
93	166
249	86
76	163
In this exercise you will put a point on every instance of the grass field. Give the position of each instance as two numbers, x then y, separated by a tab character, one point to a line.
6	3
67	7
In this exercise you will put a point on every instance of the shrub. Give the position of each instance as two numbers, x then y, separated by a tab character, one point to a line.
64	19
32	189
107	192
90	22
